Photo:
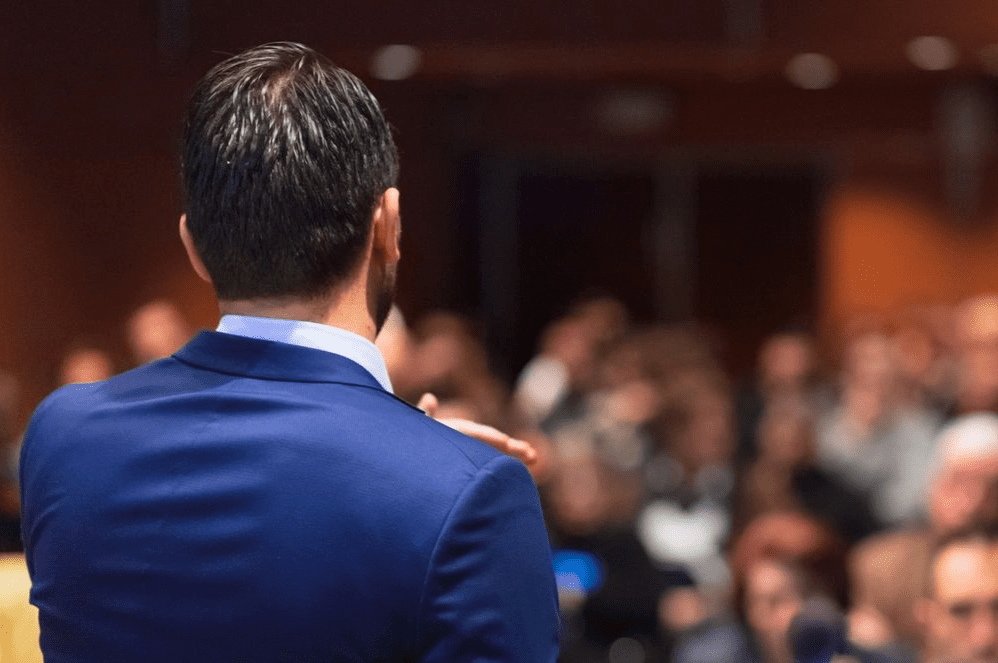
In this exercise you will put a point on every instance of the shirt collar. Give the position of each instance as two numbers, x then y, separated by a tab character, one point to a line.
311	335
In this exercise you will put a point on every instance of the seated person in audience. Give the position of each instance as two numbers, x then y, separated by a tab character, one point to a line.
784	476
925	364
786	372
780	561
959	609
554	386
590	508
887	569
449	360
976	324
689	477
871	440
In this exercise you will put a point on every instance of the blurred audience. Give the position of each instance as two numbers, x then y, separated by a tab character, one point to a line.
977	356
959	608
781	560
870	439
690	476
787	373
888	569
695	521
785	476
590	508
553	388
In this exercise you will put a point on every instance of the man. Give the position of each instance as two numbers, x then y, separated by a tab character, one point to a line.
887	569
261	495
960	610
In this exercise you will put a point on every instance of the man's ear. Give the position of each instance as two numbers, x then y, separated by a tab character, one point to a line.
386	227
192	252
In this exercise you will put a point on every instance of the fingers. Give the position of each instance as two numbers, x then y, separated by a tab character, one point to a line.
511	446
523	451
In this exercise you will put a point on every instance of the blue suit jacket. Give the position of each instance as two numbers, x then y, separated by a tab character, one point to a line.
247	500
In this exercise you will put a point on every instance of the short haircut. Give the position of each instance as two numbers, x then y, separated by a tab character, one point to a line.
284	158
981	532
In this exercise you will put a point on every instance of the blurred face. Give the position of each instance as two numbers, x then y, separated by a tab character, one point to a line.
784	439
964	490
157	330
578	497
85	365
772	598
961	619
978	375
870	361
706	439
785	362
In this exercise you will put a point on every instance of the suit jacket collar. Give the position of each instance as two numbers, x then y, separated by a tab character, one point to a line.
271	360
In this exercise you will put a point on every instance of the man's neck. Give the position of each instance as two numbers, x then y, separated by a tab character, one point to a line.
337	311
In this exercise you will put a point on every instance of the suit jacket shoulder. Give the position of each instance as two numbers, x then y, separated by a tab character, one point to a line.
247	500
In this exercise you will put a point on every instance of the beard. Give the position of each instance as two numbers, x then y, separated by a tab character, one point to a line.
385	298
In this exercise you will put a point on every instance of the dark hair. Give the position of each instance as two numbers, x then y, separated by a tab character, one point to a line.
285	156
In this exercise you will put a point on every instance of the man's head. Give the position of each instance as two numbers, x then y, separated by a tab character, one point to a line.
960	610
964	487
286	161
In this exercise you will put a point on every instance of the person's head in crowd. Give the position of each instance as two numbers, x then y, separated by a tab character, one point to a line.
628	395
605	319
289	172
869	378
786	434
696	427
578	339
585	495
977	354
568	341
450	361
673	350
448	350
156	330
786	442
869	361
923	368
965	485
787	365
622	363
959	611
779	561
578	499
85	364
977	322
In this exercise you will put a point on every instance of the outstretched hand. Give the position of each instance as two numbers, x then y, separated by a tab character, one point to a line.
494	437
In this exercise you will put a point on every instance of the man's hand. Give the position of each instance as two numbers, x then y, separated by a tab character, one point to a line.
510	446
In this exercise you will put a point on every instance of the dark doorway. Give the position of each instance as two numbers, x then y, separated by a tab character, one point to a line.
756	253
734	247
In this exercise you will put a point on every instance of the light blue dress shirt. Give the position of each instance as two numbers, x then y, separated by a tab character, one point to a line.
311	335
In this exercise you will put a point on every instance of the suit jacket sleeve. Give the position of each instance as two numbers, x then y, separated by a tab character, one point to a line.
489	594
